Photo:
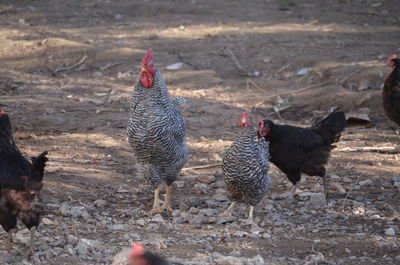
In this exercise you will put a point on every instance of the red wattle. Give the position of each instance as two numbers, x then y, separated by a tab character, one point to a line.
147	79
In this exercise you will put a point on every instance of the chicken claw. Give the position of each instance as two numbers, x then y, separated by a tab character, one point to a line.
155	211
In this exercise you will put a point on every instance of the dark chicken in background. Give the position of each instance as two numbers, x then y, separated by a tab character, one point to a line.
296	150
20	183
391	91
138	256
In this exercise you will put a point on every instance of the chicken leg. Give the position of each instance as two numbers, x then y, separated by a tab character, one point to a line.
250	219
325	187
156	204
33	233
228	211
167	199
293	191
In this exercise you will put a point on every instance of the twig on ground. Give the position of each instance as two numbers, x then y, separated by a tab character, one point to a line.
344	80
391	208
352	188
67	68
109	65
294	92
235	60
283	68
378	150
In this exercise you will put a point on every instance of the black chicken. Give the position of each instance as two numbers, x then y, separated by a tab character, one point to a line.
20	183
391	91
296	150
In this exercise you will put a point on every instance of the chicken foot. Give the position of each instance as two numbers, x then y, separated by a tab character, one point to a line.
156	203
293	191
227	212
10	236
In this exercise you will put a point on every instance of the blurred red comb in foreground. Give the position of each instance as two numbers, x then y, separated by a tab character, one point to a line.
137	250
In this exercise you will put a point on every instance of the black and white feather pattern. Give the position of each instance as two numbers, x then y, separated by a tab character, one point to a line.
245	166
156	132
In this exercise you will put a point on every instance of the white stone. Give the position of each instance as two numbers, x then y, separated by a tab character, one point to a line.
390	232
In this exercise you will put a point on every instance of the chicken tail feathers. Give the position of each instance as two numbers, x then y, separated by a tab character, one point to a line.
38	164
331	126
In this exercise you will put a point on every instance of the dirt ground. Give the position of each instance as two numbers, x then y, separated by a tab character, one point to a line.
67	72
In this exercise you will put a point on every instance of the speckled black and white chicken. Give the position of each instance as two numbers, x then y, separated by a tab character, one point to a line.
245	166
156	131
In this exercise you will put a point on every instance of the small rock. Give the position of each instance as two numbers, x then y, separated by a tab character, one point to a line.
84	246
198	219
157	218
240	233
140	222
303	71
390	231
334	178
219	197
47	221
22	237
206	179
363	85
257	260
117	227
317	200
74	211
174	66
365	182
339	187
203	160
200	188
208	211
100	203
375	217
228	260
347	180
225	219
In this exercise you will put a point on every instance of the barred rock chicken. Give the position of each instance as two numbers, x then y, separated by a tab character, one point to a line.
391	91
296	150
20	183
156	131
245	166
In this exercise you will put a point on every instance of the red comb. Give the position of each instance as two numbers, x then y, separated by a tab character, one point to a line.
2	112
391	63
148	62
244	120
137	250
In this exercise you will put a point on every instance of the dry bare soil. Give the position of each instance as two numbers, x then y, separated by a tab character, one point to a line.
67	71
